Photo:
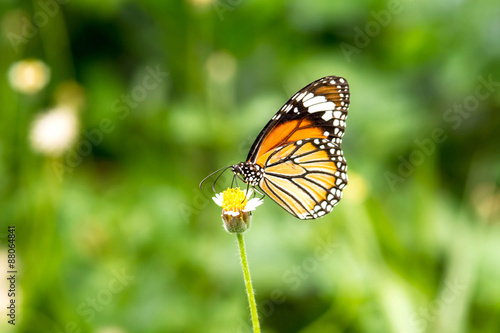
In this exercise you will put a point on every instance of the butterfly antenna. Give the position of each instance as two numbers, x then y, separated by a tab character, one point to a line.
216	179
213	173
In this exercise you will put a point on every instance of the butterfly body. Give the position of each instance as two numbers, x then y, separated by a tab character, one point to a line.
251	173
296	159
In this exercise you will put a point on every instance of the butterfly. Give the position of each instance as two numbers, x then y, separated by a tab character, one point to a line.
296	159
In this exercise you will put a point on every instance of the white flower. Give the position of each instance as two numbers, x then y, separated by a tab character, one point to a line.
221	66
235	200
252	203
28	76
54	131
236	207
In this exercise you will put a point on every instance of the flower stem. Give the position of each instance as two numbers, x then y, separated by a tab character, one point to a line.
248	284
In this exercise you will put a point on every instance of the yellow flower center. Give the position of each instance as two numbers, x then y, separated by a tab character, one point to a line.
233	199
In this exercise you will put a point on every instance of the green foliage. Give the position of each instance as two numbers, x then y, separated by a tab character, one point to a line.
114	235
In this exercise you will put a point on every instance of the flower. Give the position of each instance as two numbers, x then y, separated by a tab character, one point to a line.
54	131
221	66
28	76
236	208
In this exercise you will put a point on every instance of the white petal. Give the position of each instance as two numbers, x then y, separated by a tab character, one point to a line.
218	199
249	194
252	204
229	212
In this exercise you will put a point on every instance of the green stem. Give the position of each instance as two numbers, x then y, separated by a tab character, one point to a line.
248	284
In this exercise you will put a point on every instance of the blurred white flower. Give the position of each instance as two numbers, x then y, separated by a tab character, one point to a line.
486	200
28	76
110	329
54	131
202	3
221	66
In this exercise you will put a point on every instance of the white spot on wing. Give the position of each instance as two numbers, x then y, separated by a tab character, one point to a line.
307	97
314	100
299	97
328	115
322	107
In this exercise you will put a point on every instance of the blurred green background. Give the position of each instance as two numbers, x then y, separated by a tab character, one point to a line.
113	111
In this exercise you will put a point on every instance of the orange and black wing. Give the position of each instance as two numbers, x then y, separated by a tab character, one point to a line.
318	110
305	177
304	169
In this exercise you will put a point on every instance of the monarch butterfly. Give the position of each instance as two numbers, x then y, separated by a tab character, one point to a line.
296	159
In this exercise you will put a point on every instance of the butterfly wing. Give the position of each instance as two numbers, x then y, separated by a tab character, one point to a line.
305	177
318	110
299	149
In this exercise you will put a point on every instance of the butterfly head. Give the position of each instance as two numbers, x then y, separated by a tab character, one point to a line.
250	172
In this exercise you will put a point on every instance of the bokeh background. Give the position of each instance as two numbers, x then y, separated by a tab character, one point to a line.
113	111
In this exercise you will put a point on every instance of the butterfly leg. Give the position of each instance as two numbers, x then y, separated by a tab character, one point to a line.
241	178
248	188
232	181
256	190
235	180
